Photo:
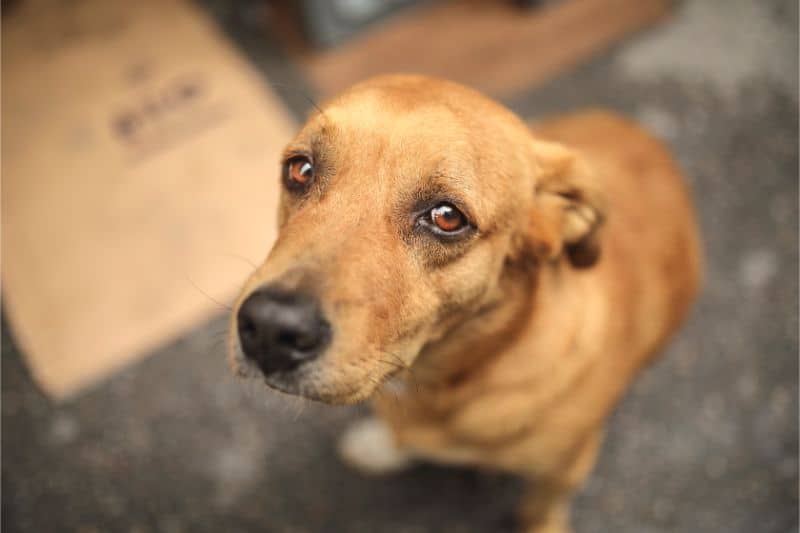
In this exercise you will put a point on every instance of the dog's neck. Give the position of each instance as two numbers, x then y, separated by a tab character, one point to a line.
491	330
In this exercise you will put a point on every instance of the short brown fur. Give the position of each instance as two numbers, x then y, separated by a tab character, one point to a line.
515	344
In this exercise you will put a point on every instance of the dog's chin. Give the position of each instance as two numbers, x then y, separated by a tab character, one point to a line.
314	383
318	390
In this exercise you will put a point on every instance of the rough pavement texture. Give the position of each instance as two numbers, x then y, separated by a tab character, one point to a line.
706	441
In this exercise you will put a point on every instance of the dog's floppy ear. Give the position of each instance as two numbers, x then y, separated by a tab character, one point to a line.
567	210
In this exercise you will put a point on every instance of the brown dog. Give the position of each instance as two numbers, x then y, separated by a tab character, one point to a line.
512	283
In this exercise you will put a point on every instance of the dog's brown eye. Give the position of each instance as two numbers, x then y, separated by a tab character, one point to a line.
298	173
447	218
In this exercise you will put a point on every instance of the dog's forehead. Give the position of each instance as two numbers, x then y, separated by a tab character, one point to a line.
397	123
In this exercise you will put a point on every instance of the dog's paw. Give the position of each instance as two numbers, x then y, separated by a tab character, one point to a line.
368	446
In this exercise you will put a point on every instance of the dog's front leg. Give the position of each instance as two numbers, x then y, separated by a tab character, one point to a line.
372	446
369	445
545	503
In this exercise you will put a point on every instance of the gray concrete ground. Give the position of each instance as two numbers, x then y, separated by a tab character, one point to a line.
706	441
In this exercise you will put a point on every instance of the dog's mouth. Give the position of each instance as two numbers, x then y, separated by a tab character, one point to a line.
290	383
316	388
321	381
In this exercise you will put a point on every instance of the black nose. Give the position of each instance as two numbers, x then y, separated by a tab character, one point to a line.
281	329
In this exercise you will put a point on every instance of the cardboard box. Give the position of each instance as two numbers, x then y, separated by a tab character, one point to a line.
139	168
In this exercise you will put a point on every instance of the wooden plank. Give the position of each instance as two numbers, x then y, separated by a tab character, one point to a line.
489	45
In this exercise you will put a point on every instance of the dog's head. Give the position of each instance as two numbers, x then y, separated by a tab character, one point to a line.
405	203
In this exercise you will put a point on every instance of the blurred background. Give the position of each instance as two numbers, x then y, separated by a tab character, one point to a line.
139	174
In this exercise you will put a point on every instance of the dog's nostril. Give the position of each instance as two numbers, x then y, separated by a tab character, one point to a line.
247	327
298	340
288	338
